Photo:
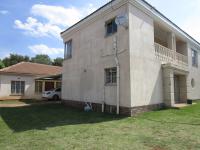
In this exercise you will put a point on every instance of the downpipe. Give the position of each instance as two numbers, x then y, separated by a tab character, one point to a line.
118	74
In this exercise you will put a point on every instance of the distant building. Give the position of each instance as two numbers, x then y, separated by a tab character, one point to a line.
27	80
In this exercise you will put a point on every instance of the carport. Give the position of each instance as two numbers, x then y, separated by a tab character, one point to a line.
47	83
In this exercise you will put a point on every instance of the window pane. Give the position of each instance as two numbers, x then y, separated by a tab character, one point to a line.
108	76
65	52
194	58
111	75
22	87
38	86
18	87
12	87
109	28
114	27
68	49
114	77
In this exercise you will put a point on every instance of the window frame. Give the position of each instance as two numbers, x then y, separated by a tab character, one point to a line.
194	58
67	51
114	27
38	89
58	84
110	76
21	88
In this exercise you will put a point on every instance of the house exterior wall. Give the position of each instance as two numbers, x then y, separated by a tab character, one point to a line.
145	69
92	52
144	81
194	73
5	86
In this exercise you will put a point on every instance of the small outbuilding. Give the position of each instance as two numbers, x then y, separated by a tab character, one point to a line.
27	80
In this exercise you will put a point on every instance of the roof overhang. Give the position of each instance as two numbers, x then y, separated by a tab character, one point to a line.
162	19
145	7
52	77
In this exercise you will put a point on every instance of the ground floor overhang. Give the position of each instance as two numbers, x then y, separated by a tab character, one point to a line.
175	84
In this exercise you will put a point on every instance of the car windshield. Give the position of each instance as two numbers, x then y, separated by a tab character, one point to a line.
58	90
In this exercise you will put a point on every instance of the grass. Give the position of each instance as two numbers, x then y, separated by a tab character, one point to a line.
54	126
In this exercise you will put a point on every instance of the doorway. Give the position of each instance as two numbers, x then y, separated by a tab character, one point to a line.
49	86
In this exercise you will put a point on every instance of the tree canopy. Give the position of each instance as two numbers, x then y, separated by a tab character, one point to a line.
14	59
58	61
42	59
1	64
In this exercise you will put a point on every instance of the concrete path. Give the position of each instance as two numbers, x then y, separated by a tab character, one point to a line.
32	104
182	105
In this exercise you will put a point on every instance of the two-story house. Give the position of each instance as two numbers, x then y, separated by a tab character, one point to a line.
148	64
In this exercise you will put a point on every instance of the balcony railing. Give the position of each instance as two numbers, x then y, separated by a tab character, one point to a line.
166	55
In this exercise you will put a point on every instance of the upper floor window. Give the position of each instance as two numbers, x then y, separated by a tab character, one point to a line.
68	49
111	27
194	58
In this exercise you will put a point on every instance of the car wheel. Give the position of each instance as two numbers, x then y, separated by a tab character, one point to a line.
55	97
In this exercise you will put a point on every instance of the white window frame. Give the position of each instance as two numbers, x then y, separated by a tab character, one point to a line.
37	87
68	50
194	58
112	21
111	76
21	87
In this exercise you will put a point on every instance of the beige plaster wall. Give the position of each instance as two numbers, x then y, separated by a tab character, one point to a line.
145	69
5	86
83	74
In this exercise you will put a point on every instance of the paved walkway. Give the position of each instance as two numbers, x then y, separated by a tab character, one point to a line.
182	105
31	104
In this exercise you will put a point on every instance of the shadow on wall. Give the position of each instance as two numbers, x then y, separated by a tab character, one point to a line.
21	119
157	95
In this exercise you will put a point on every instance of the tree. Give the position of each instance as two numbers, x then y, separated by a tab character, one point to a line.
42	59
1	64
58	61
14	59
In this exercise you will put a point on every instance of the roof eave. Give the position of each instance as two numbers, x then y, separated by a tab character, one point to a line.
145	7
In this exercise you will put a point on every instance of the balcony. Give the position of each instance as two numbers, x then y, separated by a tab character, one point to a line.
168	56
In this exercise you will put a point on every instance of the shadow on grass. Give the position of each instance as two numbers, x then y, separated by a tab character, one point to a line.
52	115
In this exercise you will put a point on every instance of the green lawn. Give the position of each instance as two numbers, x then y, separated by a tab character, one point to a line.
54	126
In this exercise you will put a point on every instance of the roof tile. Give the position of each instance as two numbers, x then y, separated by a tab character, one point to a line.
32	69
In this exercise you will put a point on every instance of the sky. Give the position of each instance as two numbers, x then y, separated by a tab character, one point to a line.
30	27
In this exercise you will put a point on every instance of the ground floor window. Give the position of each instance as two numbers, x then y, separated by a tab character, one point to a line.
38	86
17	87
111	76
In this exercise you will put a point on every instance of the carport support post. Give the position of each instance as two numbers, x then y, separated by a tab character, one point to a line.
168	76
55	84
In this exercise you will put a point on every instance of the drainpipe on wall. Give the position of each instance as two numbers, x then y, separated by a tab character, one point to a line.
118	73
